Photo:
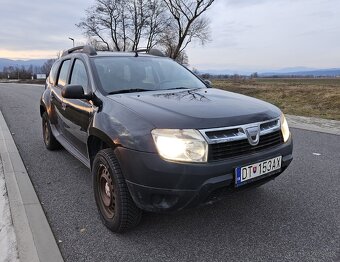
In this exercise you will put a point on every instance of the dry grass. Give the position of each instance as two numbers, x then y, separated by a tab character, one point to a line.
304	97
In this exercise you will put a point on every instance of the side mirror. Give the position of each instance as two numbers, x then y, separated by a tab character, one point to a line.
208	82
74	92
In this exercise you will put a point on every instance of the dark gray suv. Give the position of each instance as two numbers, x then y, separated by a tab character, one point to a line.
155	136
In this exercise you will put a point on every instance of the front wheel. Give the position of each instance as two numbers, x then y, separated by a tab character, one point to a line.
113	199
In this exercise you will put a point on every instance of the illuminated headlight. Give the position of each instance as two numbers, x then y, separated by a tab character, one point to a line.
284	128
186	145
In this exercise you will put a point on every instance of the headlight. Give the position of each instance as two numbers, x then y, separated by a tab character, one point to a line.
284	128
186	145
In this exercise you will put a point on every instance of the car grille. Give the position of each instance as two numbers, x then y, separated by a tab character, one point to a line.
220	151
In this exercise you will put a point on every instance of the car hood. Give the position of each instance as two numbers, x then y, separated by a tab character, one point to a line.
196	108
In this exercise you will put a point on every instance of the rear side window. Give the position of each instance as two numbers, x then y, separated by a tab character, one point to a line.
62	80
79	75
53	73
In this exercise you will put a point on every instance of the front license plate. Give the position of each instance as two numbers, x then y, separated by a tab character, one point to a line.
246	173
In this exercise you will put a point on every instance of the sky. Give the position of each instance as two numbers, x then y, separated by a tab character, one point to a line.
251	35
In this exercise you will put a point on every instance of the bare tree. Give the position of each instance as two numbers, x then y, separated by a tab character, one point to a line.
116	21
22	72
97	44
104	18
169	44
156	23
189	23
92	27
124	25
136	11
46	67
59	54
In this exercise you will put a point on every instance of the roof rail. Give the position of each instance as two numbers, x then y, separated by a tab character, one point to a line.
152	51
82	49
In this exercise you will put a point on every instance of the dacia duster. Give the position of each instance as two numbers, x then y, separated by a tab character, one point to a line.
155	136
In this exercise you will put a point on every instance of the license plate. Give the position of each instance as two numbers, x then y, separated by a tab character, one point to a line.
250	172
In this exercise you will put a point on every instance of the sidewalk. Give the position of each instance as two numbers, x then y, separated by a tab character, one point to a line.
25	234
8	243
33	239
314	124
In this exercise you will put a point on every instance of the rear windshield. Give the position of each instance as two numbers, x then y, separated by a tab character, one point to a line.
147	73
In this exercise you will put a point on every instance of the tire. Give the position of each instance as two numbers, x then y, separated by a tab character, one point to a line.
50	141
116	207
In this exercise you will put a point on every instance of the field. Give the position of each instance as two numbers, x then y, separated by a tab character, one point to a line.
304	97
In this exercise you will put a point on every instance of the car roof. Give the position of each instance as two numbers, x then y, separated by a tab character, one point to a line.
120	54
92	52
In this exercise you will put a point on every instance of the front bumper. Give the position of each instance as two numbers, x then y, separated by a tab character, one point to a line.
157	185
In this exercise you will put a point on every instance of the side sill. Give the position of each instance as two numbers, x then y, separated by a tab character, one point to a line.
69	147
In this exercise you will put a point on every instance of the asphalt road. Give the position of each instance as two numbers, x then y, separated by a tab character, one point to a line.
294	218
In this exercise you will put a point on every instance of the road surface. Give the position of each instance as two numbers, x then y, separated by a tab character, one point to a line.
294	218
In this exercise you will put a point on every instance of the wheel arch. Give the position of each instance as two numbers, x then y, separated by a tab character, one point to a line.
42	109
97	141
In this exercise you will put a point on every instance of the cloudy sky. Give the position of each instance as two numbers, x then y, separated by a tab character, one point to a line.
246	34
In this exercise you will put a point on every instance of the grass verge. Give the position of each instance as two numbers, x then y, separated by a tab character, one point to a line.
304	97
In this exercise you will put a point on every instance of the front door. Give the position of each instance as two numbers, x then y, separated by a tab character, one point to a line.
78	112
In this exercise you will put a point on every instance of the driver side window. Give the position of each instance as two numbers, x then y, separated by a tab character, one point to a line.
79	75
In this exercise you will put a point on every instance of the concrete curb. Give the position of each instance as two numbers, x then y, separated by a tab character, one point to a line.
314	124
34	236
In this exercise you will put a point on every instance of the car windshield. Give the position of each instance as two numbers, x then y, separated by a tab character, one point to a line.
135	74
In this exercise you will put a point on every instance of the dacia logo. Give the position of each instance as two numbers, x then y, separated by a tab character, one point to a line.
253	135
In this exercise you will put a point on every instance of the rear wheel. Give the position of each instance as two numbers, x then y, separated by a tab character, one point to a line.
50	141
113	199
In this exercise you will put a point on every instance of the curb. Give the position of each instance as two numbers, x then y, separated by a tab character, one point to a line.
34	236
314	124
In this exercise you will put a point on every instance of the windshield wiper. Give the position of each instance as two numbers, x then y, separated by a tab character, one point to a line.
132	90
181	87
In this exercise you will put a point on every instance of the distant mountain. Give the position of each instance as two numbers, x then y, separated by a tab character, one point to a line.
225	72
292	71
26	63
316	72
